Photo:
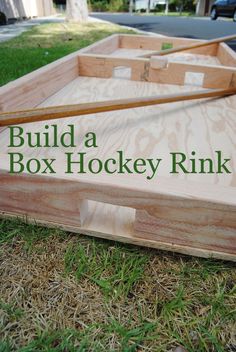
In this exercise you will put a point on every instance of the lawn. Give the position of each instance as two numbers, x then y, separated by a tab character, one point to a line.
61	292
46	43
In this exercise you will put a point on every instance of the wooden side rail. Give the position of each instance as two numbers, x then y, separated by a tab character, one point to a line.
175	212
35	87
201	230
151	43
193	46
226	55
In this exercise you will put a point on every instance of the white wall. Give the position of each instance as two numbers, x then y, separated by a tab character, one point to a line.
26	8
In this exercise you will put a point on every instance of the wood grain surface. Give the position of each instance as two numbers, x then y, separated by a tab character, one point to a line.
196	45
204	126
58	112
183	207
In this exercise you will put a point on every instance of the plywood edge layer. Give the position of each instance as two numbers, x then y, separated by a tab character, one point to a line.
207	233
127	238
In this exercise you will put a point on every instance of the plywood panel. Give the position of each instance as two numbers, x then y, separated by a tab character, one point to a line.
202	126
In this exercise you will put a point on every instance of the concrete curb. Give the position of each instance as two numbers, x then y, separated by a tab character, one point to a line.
93	19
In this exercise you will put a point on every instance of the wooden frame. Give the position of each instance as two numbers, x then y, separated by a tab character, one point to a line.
185	216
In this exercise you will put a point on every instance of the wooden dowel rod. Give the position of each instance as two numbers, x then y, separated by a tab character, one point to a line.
191	46
57	112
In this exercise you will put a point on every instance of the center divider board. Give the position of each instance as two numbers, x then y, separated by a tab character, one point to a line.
103	66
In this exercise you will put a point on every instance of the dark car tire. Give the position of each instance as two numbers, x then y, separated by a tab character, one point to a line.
214	14
234	16
3	19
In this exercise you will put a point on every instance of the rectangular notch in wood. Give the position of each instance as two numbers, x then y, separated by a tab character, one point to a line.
122	72
194	79
108	218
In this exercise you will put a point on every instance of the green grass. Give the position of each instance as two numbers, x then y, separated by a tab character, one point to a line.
115	271
46	43
133	299
63	293
29	233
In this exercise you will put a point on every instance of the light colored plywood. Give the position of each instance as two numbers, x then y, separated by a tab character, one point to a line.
201	230
173	203
66	111
201	126
117	223
226	55
150	42
155	44
34	88
177	57
105	46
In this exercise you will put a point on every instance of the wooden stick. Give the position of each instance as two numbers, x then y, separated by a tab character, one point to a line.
57	112
188	47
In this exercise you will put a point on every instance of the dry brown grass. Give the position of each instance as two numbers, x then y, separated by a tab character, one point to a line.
177	301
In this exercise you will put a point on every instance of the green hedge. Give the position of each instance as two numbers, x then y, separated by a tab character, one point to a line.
109	5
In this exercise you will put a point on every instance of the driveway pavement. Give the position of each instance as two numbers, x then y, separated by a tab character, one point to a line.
192	27
12	30
189	27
